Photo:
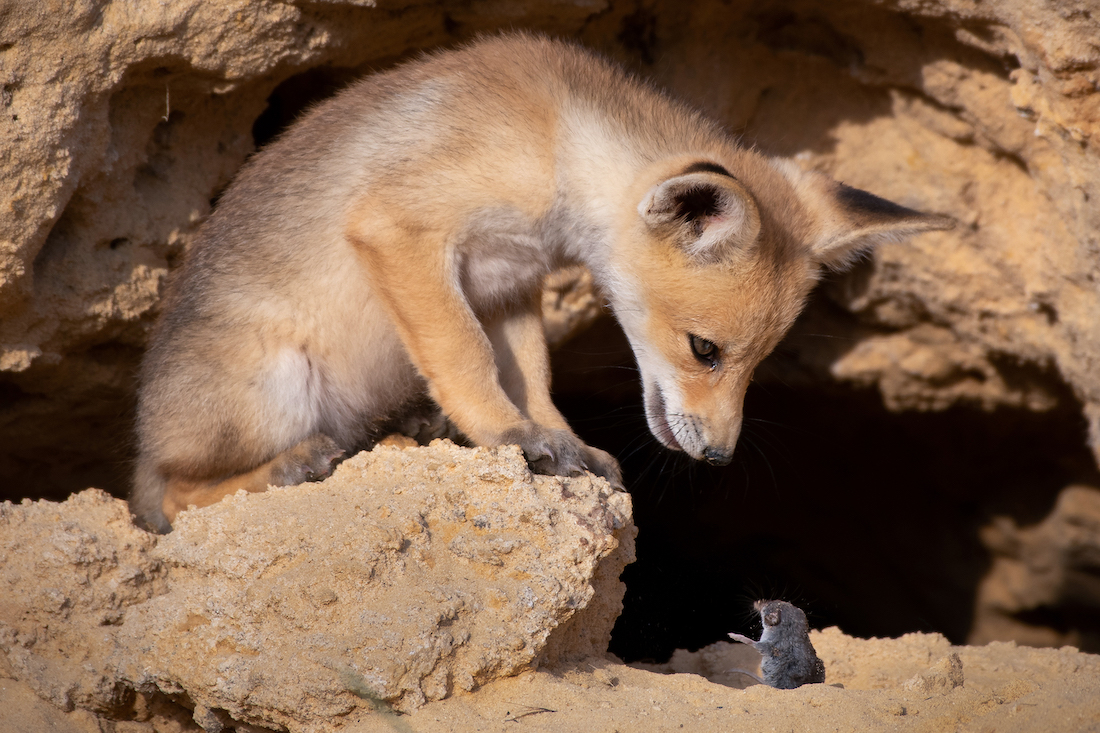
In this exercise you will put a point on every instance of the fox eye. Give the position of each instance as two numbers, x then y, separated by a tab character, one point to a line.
705	351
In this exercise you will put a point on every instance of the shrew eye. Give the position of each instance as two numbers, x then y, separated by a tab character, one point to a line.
705	351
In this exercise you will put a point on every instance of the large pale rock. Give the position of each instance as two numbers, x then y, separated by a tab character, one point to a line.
408	575
321	607
69	575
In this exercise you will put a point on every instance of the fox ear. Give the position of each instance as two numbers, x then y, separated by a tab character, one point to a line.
862	221
711	214
849	221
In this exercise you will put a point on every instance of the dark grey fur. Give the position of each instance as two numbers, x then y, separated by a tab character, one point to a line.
789	659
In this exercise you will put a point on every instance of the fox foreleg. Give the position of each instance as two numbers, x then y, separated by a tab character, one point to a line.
461	364
523	369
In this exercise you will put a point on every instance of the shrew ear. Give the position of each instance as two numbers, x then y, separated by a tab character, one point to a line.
710	214
848	221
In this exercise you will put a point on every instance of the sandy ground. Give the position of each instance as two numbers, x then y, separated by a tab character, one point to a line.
878	684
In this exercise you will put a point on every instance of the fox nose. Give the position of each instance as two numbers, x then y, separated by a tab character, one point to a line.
717	456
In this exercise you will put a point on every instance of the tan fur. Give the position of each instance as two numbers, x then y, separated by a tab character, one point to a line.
390	246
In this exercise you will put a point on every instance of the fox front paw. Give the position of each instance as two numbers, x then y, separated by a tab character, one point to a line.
602	463
311	460
555	452
547	450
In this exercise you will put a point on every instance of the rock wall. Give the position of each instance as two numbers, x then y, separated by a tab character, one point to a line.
119	125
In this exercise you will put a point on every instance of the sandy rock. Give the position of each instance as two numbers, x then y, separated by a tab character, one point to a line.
25	712
408	575
916	682
69	575
995	128
942	677
325	606
879	663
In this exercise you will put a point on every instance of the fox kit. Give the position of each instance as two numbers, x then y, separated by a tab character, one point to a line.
390	246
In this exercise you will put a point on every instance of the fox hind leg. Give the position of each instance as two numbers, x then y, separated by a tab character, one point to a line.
310	460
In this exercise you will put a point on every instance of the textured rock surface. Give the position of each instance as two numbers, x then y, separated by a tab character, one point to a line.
409	574
1005	688
966	109
68	575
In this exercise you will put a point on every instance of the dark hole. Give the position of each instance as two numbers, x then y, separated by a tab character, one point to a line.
867	519
294	96
638	34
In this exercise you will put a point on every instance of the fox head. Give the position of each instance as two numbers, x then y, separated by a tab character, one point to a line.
714	264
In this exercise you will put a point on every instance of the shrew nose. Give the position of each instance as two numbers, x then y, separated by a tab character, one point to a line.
717	456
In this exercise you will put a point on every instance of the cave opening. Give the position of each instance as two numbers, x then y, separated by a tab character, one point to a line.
868	519
296	94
